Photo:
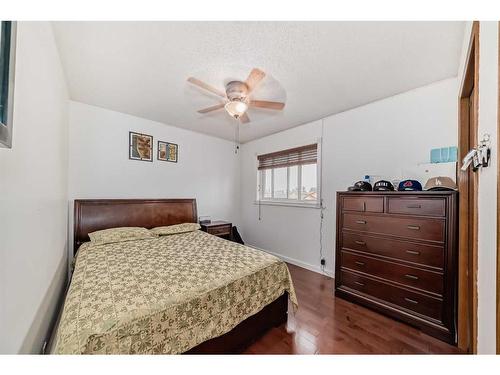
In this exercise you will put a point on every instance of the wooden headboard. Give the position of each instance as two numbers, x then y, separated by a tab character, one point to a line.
95	214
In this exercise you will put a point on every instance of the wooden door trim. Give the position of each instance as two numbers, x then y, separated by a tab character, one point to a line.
467	269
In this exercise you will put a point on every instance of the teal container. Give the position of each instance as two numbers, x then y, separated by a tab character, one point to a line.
453	153
444	154
436	155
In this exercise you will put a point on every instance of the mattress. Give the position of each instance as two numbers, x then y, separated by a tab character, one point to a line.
165	294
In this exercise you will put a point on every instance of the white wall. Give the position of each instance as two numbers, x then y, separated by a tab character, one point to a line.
487	194
289	232
33	194
387	138
208	168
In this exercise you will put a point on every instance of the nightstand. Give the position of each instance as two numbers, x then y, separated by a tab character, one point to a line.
218	228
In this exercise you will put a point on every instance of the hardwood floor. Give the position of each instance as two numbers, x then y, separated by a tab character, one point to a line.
325	324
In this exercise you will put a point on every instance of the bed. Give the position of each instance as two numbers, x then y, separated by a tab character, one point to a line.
188	292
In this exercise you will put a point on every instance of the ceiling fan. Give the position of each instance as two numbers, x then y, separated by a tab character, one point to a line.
237	98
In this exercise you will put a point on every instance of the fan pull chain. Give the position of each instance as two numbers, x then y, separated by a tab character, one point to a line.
237	138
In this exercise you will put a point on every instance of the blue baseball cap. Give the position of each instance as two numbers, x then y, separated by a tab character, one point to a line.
409	185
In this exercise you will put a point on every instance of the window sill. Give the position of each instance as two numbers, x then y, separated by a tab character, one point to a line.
289	204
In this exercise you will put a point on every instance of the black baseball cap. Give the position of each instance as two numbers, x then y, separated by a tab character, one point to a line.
383	185
362	186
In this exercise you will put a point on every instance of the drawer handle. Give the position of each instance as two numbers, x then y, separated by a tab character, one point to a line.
364	206
413	227
360	263
360	222
411	301
412	277
413	252
360	242
414	206
358	283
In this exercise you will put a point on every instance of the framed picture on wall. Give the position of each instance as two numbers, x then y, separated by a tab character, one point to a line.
168	151
140	147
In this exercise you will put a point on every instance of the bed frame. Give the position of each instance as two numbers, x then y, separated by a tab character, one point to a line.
96	214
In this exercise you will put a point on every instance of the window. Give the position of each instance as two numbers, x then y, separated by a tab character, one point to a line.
7	57
289	176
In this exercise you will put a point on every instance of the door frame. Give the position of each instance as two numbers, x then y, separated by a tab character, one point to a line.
468	248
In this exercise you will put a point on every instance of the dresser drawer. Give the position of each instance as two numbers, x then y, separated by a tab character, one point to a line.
417	228
417	206
428	281
220	231
363	204
412	301
427	255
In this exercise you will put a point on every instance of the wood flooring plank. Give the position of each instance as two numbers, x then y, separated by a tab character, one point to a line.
325	324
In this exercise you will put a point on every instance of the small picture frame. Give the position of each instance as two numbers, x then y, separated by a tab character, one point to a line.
168	151
140	147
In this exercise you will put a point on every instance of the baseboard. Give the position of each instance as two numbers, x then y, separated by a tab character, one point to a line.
299	263
41	328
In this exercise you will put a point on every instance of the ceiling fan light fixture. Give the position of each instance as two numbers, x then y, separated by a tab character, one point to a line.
236	108
238	96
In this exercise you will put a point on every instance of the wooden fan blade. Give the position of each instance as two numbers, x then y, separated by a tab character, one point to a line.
205	86
266	104
244	118
254	78
212	108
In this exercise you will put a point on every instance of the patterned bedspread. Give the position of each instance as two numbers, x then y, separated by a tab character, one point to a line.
165	294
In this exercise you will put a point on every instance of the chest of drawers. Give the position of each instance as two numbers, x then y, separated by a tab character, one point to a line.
396	252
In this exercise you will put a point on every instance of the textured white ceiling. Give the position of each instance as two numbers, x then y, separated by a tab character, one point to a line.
321	68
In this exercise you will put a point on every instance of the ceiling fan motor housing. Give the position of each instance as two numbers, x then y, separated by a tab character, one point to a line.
237	91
